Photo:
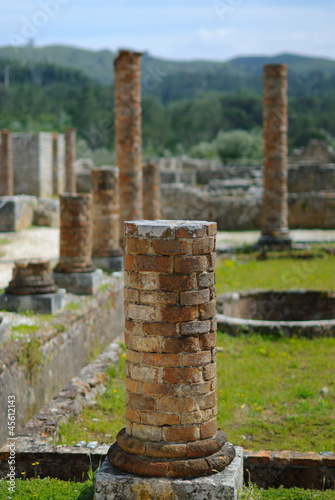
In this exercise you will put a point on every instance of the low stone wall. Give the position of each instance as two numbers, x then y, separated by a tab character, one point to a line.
65	343
306	178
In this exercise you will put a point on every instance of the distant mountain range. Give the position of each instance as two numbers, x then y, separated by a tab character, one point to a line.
98	65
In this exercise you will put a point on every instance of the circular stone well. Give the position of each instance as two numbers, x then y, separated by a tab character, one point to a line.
305	313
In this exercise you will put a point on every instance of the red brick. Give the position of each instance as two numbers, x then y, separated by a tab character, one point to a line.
132	385
161	359
311	459
133	356
190	264
133	415
153	263
177	345
131	295
194	297
157	389
203	246
160	419
130	228
207	311
208	340
197	358
177	314
181	434
208	401
282	457
212	229
208	429
162	298
144	373
185	232
211	261
177	283
142	402
164	329
259	457
129	263
171	404
138	245
170	247
209	371
181	375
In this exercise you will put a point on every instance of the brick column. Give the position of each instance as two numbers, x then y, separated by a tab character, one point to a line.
151	192
128	134
70	158
275	204
6	166
170	335
75	234
106	252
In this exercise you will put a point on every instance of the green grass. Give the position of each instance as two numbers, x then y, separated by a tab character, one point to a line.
246	273
255	493
47	489
268	391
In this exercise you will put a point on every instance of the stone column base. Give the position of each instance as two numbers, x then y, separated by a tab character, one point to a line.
47	303
109	264
16	212
277	242
112	484
79	283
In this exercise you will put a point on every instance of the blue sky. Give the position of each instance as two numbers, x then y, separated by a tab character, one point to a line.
177	29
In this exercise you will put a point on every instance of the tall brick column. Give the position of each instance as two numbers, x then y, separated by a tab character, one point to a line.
151	192
128	134
75	270
275	204
106	253
170	336
6	166
70	158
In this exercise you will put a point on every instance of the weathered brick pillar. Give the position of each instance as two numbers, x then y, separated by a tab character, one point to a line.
151	192
6	166
106	252
70	158
275	204
128	134
170	336
75	234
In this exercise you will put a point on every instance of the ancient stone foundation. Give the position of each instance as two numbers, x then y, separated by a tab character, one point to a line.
6	164
170	336
128	135
151	192
75	270
32	289
275	207
106	252
70	157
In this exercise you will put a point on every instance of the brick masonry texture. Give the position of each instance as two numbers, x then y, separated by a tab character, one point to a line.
6	164
171	349
75	234
275	204
151	192
128	134
70	157
105	212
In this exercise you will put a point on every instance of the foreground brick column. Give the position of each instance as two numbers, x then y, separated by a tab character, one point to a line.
6	166
275	205
75	234
128	134
151	192
70	158
170	336
106	252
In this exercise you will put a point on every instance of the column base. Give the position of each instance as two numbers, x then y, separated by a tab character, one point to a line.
16	212
109	264
47	303
278	242
112	484
79	283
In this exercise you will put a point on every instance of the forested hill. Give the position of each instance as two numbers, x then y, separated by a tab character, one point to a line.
99	64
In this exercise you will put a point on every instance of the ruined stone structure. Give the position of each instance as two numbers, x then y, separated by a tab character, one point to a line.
128	134
32	288
151	192
70	158
6	165
32	164
106	252
315	153
75	270
275	206
58	164
170	335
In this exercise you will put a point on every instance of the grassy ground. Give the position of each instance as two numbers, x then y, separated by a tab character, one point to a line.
52	489
244	272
